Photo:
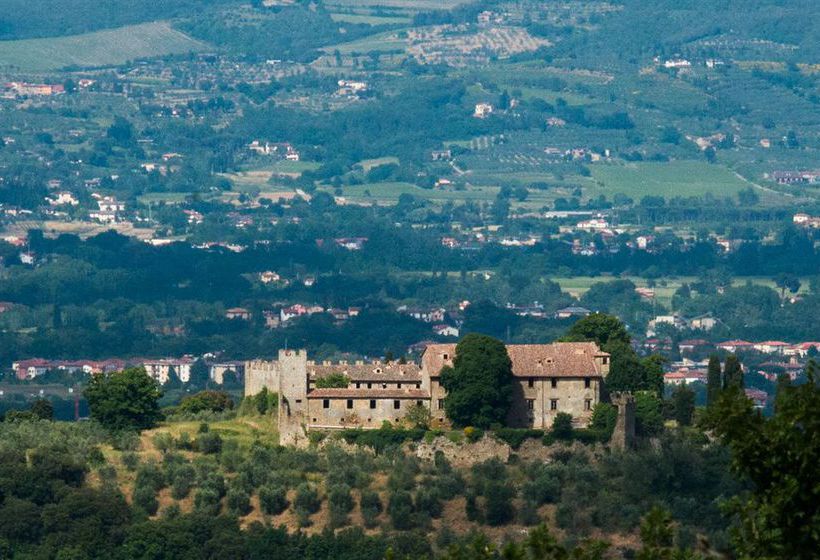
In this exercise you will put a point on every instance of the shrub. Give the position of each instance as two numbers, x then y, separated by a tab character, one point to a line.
209	443
449	485
403	474
273	499
381	439
215	482
604	417
306	503
545	487
514	437
400	510
163	442
184	442
182	482
125	441
428	501
207	501
562	426
333	381
130	460
149	475
498	505
418	416
263	402
146	498
472	510
528	514
239	502
107	474
473	434
172	512
371	506
206	401
340	503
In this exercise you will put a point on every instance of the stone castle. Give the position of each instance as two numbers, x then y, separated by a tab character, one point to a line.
550	378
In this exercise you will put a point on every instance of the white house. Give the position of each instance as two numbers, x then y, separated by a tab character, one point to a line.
446	330
482	110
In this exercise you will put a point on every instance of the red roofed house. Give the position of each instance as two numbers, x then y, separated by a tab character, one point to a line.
29	369
771	347
684	376
238	313
802	349
734	346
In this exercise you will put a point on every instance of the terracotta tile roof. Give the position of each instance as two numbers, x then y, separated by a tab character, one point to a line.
367	394
392	372
559	359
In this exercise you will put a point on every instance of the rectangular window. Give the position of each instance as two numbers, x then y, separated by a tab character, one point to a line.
358	385
587	382
349	403
554	383
372	404
369	385
530	404
441	404
553	404
588	404
397	404
398	386
530	382
326	403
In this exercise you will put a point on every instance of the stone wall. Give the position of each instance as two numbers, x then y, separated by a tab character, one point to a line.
466	454
259	374
329	413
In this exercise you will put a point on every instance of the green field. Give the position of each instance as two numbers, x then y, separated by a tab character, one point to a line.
389	193
403	5
166	197
371	19
101	48
381	42
664	287
668	179
368	164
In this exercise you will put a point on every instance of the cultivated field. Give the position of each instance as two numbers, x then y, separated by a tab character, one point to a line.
101	48
664	287
668	179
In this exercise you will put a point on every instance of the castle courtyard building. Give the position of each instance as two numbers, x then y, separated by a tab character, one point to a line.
548	379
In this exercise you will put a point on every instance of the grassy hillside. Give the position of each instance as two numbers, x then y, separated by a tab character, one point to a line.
100	48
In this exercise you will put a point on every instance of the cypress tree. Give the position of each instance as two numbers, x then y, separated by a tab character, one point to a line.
732	372
713	379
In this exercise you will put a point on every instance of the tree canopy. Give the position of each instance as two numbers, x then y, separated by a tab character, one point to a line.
479	385
124	400
780	516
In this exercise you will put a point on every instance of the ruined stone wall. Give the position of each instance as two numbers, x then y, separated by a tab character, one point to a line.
333	413
623	437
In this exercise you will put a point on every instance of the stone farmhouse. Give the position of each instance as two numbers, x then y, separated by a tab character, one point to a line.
550	378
